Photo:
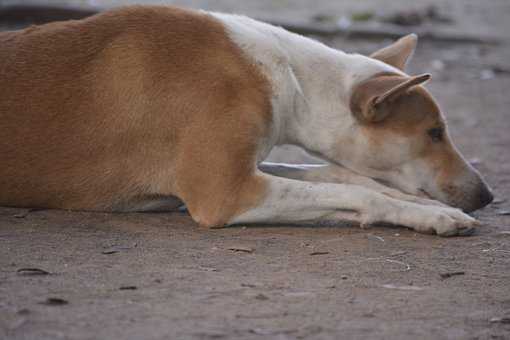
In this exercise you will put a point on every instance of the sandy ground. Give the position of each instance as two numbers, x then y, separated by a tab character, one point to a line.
158	276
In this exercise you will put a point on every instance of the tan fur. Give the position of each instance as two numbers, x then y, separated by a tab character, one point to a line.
128	104
401	113
411	115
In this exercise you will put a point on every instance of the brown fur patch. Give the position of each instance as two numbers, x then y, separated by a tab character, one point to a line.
411	115
132	102
405	114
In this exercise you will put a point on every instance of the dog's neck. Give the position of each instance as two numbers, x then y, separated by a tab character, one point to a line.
320	93
318	117
311	83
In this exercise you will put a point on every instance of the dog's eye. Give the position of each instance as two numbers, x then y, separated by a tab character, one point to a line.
436	134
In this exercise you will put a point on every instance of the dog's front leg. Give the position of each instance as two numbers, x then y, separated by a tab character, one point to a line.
331	173
289	201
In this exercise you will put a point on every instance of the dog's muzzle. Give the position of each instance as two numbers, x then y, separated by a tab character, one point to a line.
482	198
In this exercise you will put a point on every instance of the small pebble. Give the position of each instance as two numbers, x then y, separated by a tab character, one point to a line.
261	297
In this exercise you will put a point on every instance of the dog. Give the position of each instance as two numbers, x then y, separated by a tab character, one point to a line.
146	108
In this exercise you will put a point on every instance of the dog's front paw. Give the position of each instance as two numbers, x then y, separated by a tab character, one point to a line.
445	221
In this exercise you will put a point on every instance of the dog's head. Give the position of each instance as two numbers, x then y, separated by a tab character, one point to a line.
402	138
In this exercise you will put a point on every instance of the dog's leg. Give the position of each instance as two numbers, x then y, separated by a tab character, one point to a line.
287	200
330	173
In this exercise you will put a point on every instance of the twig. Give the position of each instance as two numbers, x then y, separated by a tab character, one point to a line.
407	266
391	286
491	250
319	253
505	320
241	249
54	301
32	271
450	274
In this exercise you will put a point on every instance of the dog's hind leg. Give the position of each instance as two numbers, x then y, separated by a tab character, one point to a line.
290	201
330	173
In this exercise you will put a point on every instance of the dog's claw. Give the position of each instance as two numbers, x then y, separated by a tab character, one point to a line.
446	222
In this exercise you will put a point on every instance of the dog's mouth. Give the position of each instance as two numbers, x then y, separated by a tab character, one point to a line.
424	193
420	192
384	182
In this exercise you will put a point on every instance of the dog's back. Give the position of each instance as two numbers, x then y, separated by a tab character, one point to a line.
91	111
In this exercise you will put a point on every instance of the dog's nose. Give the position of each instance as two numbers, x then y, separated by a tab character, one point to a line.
481	198
485	196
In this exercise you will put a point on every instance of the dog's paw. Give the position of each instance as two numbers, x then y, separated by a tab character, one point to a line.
447	222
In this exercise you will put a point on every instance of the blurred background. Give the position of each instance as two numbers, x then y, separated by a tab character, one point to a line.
467	16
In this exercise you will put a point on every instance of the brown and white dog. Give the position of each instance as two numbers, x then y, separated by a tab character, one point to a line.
146	108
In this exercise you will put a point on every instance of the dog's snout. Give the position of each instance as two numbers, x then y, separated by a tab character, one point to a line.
485	196
481	198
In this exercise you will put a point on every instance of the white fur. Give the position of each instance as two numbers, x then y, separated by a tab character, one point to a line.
290	200
311	88
311	83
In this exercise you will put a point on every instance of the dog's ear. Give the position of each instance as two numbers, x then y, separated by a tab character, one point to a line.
399	53
371	101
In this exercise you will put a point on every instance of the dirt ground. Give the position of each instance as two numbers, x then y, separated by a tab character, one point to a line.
159	276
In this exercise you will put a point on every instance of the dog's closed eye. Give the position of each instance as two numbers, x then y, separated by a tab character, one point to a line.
436	134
